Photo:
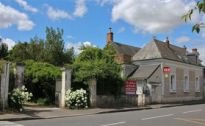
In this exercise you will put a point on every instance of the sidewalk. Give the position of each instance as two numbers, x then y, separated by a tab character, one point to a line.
49	113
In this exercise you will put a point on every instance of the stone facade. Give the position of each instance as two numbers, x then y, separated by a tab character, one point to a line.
180	95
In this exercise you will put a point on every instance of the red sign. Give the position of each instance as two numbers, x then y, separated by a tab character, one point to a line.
167	69
130	87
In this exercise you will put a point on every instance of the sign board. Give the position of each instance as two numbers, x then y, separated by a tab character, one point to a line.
130	87
166	69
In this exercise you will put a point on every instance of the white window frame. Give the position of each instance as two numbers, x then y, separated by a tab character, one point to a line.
186	83
172	87
197	84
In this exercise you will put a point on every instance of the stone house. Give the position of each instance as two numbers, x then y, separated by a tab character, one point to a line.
162	71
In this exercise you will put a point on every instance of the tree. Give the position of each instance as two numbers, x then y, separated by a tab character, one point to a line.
69	55
54	46
33	50
200	7
3	50
19	52
40	79
50	50
97	63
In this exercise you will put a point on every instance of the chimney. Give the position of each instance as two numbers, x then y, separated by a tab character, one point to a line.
167	41
194	51
109	36
194	55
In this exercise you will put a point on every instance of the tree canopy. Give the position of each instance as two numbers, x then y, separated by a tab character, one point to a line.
93	62
200	7
50	50
3	50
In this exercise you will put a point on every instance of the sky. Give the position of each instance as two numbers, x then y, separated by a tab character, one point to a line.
133	22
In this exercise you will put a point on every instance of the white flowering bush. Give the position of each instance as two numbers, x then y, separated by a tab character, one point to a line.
76	99
18	97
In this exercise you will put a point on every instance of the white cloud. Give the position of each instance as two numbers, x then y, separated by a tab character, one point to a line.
9	42
27	7
10	16
77	46
80	8
183	39
104	2
153	17
56	14
122	29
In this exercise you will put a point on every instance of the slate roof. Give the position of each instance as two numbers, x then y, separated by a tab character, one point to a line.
158	49
125	49
144	72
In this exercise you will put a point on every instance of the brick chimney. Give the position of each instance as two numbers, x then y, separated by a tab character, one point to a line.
109	36
194	51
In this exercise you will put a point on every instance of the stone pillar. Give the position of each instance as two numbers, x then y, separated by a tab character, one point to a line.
68	73
19	74
141	100
62	85
93	92
4	86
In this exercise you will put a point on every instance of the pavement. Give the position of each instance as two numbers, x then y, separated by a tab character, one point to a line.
34	113
185	115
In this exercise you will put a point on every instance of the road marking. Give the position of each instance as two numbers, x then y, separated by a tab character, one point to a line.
192	121
7	123
198	110
203	120
154	117
112	124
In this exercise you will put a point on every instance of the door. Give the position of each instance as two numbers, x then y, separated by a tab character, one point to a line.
156	94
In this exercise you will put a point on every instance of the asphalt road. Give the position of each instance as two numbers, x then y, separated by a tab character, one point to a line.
191	115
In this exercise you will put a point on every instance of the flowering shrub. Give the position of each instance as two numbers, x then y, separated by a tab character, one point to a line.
18	97
76	99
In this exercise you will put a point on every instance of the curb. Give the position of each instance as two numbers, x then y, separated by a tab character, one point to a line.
102	112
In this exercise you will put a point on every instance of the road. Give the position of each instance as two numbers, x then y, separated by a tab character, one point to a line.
191	115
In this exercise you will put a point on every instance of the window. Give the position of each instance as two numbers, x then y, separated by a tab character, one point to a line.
197	84
186	84
172	83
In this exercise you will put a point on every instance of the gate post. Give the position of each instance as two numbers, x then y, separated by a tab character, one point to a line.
4	86
93	92
62	85
19	74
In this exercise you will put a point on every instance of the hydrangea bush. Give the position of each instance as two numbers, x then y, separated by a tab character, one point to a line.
76	99
19	96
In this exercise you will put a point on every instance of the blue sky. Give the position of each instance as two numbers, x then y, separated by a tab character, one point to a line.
134	22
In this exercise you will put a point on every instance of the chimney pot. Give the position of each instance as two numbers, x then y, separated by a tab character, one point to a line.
194	50
167	41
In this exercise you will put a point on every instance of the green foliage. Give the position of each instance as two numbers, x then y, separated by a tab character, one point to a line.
18	97
40	79
76	99
2	62
3	50
201	9
33	50
99	64
54	46
50	50
93	63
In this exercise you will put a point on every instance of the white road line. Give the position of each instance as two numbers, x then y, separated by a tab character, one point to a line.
7	123
112	124
154	117
198	110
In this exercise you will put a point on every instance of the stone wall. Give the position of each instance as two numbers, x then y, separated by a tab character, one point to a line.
106	101
180	95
